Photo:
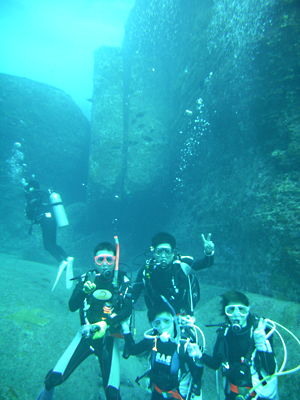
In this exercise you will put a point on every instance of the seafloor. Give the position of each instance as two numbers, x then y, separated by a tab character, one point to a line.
37	327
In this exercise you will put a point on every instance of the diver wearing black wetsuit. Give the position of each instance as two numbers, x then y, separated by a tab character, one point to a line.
39	212
244	352
167	274
173	284
103	307
173	371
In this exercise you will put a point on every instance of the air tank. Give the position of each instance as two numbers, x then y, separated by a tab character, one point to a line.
58	210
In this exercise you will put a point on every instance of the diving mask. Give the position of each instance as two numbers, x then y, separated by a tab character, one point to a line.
237	309
162	323
101	258
166	250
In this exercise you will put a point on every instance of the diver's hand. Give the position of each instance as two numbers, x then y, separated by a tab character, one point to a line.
259	336
126	326
101	329
209	246
194	350
89	286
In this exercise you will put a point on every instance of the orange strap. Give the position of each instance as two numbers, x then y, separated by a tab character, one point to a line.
235	389
117	335
171	393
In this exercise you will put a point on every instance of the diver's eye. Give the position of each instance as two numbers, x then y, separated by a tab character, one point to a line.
156	324
230	310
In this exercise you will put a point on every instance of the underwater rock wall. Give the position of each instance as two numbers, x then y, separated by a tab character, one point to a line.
224	77
42	132
106	152
233	96
130	142
241	176
45	133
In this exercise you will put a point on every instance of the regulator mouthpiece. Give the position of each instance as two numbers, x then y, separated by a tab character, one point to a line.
164	337
107	274
163	265
236	327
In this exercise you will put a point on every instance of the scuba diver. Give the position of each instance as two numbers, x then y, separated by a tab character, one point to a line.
44	208
103	300
173	350
167	274
244	349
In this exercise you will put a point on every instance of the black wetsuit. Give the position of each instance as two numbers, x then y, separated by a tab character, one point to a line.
169	371
172	283
39	211
105	303
234	351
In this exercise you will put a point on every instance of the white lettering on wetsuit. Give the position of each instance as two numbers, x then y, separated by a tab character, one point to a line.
163	359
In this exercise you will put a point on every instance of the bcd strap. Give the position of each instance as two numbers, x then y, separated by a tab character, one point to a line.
175	394
241	390
244	360
190	285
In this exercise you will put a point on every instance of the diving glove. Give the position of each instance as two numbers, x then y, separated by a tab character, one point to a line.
194	350
89	287
259	336
101	326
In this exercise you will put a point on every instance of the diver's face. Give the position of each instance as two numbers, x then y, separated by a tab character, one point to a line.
237	314
105	263
163	254
164	324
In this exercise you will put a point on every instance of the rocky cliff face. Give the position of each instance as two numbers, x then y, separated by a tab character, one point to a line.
130	145
210	115
52	132
43	133
244	181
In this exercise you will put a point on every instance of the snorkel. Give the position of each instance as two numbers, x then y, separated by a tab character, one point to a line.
116	272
